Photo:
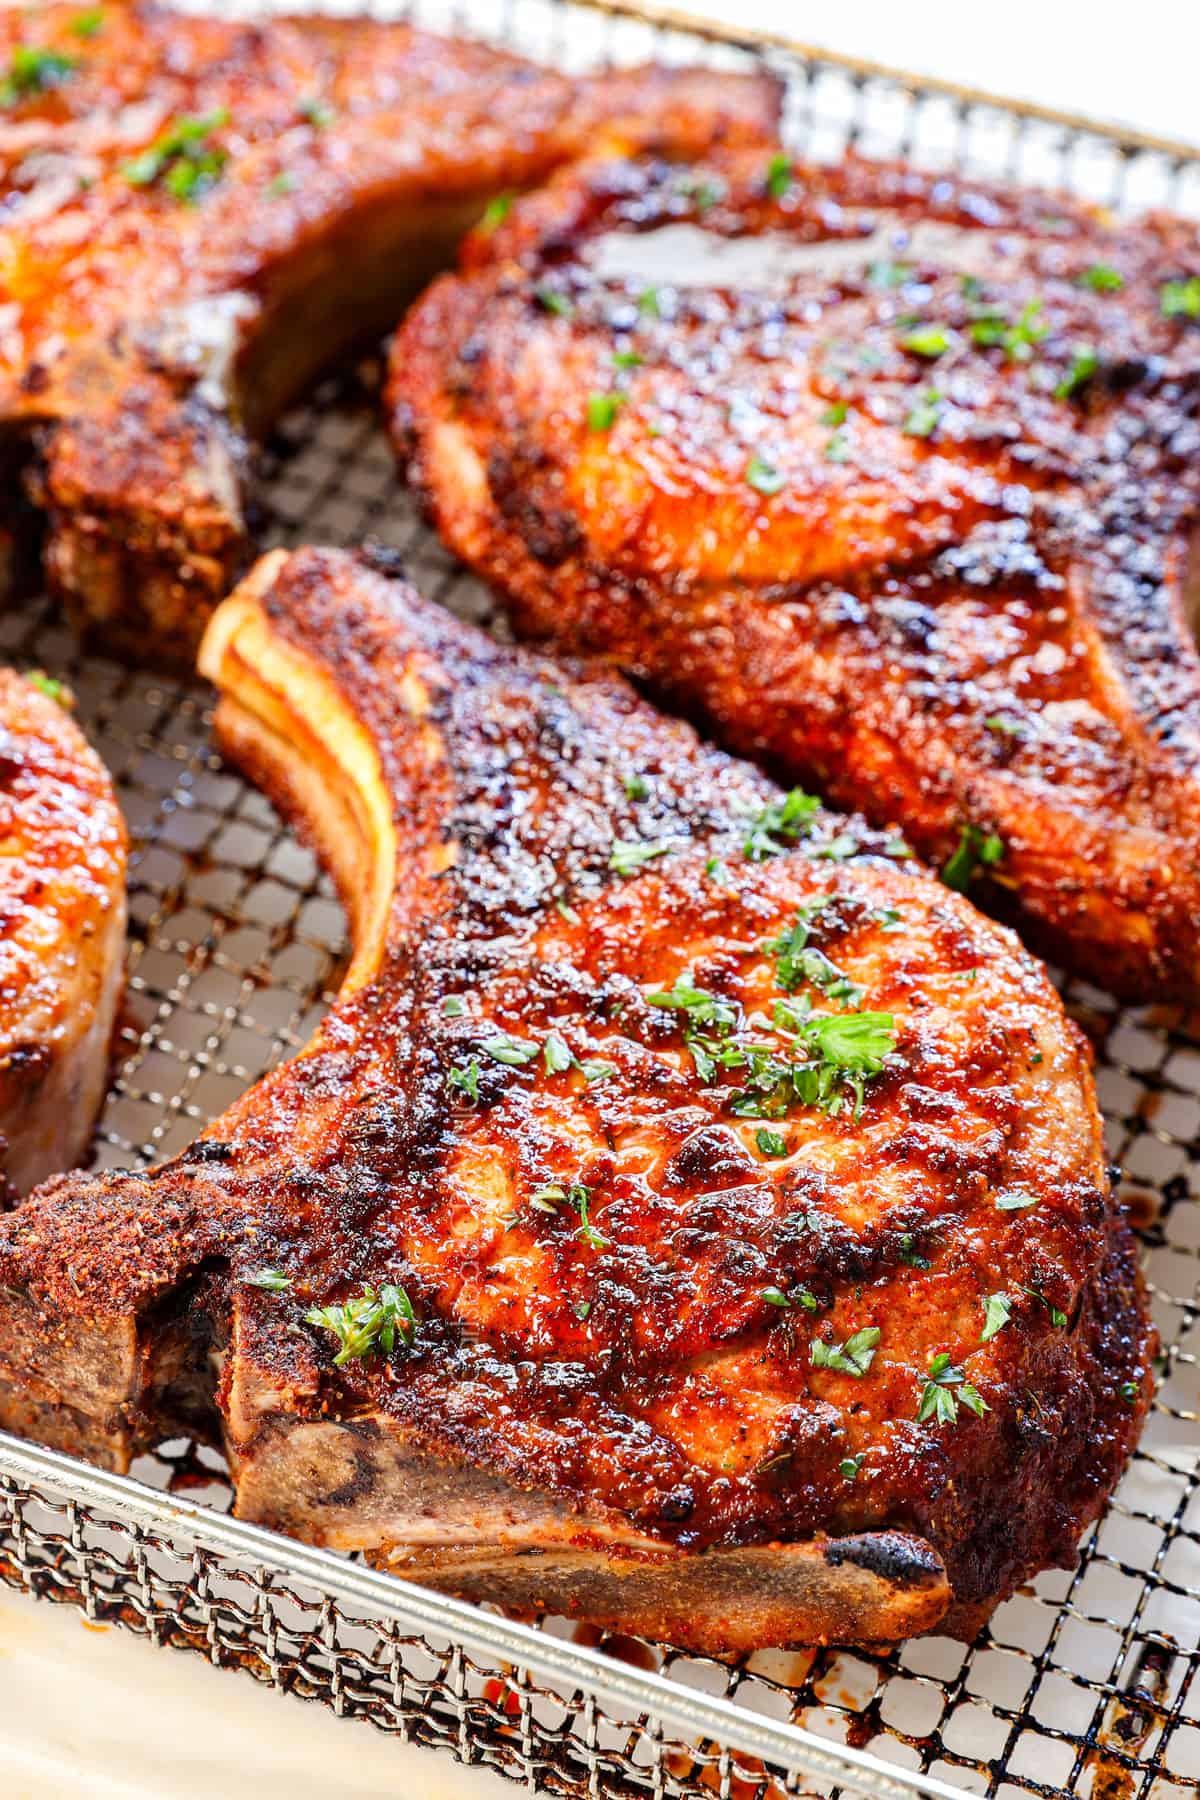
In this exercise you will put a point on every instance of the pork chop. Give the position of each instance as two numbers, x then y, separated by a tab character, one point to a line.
691	1216
197	214
62	931
888	477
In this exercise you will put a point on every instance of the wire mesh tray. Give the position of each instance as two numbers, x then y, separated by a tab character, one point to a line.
1084	1683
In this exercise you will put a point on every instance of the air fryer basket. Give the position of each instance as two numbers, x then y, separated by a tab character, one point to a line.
1085	1683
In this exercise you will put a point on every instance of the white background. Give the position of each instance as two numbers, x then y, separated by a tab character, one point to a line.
86	1714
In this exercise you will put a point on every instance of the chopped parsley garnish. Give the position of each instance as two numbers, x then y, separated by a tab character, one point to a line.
593	1069
790	817
648	303
57	691
368	1325
779	176
34	71
911	1255
465	1077
514	1052
1004	727
577	1196
1016	1202
837	449
771	1143
976	849
555	1056
944	1389
1102	279
926	340
1084	363
924	416
1180	299
602	410
851	1048
555	301
272	1279
992	329
636	786
1129	1392
453	1006
581	1309
318	112
496	211
88	24
763	476
854	1357
183	159
889	274
630	854
997	1312
835	414
1058	1318
627	359
701	1007
802	1297
850	1465
797	961
717	872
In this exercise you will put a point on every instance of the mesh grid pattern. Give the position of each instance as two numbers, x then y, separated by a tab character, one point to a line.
1083	1684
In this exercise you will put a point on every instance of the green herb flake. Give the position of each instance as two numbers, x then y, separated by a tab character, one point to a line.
88	24
274	1280
996	1315
628	855
1180	299
1130	1392
464	1077
1058	1317
791	818
581	1309
911	1255
34	71
992	329
775	1297
718	872
850	1465
1017	1201
1101	278
513	1052
889	274
929	341
636	786
835	414
701	1007
55	690
495	212
1084	363
1003	727
924	416
648	303
627	359
944	1389
454	1006
182	159
602	410
771	1143
976	849
779	176
368	1325
555	1056
283	183
854	1357
319	113
764	476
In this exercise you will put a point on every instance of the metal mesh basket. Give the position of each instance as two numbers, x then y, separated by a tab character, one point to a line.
1083	1684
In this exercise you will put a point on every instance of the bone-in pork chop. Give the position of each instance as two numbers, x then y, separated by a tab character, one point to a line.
691	1216
886	476
196	214
62	931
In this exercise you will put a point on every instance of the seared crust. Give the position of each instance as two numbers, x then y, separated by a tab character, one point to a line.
620	1413
62	933
148	327
896	494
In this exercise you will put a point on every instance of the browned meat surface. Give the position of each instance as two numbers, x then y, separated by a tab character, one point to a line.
196	214
888	478
690	1216
62	932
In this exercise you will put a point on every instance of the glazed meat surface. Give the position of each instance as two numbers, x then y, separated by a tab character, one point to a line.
197	214
886	477
62	932
690	1216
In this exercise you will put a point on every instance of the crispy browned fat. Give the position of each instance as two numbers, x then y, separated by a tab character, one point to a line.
62	931
888	477
690	1217
196	214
